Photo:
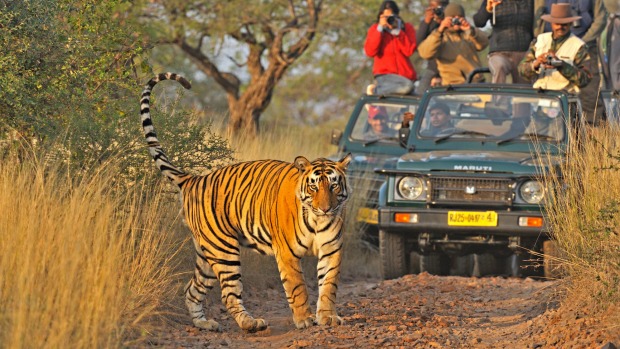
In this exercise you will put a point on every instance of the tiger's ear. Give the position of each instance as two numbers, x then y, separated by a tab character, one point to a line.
301	163
344	162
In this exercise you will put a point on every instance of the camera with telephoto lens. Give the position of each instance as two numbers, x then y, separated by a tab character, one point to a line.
438	11
554	62
392	20
456	21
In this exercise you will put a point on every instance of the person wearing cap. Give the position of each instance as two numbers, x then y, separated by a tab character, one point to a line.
391	42
433	15
557	60
377	120
454	45
513	23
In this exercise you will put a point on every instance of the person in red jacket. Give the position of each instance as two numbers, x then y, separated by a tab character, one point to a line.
391	42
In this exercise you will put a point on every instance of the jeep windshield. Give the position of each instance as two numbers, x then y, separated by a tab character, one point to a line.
492	117
380	122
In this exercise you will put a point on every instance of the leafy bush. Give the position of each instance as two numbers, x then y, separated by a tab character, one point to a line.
69	90
62	58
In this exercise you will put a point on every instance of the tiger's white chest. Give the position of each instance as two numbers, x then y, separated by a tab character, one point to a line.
320	232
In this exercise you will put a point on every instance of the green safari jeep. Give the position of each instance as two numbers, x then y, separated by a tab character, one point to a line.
372	148
467	197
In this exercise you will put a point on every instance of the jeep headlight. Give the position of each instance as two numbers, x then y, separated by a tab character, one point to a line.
532	192
410	188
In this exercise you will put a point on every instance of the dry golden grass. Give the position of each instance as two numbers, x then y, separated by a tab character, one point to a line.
285	143
80	267
585	219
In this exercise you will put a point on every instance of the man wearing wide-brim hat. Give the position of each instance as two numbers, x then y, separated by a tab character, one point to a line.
556	60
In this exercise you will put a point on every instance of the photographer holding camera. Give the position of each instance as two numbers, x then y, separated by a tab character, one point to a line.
588	27
557	60
433	15
454	45
391	42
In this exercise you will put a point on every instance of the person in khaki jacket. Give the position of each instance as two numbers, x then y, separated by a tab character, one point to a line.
454	45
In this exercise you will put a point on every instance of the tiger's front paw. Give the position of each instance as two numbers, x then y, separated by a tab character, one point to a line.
254	325
330	320
209	325
305	323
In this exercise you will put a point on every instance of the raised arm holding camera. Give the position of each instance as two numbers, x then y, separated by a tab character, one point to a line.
391	42
454	45
557	60
433	14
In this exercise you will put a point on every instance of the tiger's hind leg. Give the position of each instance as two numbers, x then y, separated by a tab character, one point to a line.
229	274
196	290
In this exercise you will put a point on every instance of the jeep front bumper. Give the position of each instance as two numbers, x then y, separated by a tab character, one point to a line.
462	222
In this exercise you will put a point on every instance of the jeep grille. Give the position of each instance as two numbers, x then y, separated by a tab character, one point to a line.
494	191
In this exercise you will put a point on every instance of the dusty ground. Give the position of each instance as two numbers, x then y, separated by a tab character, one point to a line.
416	311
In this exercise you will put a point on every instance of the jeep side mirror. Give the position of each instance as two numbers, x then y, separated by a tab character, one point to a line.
336	136
403	136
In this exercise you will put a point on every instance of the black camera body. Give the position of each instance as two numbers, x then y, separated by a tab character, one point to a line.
438	11
456	21
554	62
392	20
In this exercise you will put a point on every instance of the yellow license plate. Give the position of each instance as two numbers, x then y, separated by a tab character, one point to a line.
368	215
472	219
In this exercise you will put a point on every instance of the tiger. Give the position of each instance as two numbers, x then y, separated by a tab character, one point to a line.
288	210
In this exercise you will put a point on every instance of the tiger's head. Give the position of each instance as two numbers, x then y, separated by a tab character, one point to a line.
323	184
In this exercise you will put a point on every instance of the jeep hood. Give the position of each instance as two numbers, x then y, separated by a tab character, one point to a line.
372	160
475	161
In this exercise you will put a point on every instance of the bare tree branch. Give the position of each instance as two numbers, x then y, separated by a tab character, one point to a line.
229	82
271	42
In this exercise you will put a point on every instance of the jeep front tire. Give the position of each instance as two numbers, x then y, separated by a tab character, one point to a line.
393	250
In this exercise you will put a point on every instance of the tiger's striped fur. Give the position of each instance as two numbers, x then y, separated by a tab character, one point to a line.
284	209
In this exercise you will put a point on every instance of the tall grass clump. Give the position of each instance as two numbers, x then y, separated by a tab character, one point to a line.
284	142
81	266
584	215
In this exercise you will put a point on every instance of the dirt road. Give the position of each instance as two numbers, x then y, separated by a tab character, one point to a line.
416	311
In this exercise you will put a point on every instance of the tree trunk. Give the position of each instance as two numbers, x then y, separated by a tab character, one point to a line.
266	40
242	123
246	110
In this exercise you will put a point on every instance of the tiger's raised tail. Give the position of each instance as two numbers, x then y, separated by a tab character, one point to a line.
174	173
